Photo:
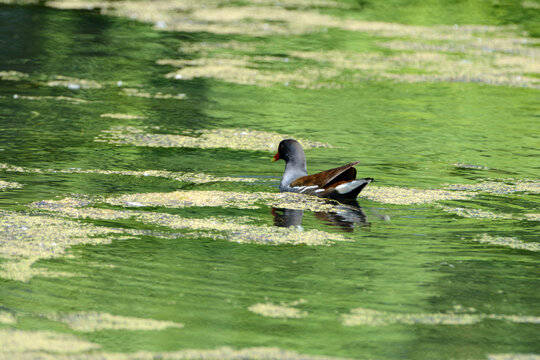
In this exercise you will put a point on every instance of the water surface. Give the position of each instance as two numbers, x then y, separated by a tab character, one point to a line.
138	203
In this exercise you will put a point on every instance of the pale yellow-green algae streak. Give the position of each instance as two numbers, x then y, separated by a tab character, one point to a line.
7	317
13	75
144	94
7	185
511	356
235	229
370	317
122	116
475	213
500	187
198	178
27	238
532	217
49	97
221	353
494	55
73	83
95	321
408	196
282	311
508	241
238	139
18	342
215	198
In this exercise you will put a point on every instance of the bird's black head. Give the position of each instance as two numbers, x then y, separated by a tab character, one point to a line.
290	150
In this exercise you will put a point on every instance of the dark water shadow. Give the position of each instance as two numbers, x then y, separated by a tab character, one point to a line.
349	215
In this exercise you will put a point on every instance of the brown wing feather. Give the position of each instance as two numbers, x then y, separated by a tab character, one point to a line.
324	178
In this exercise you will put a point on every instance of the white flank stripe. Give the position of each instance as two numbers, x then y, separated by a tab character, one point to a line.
301	189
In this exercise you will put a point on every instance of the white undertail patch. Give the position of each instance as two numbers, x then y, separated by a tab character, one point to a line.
350	186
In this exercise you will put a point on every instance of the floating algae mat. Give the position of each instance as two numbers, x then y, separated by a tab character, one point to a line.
7	318
401	195
159	95
501	187
475	213
44	236
18	350
29	238
287	311
15	343
6	185
122	116
511	242
73	83
240	69
198	178
398	195
141	218
370	317
92	321
243	139
179	199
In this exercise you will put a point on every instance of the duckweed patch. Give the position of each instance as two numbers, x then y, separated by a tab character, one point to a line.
407	196
231	230
7	185
427	67
474	213
277	311
487	54
7	318
495	55
12	75
235	229
503	187
510	242
143	94
222	353
532	217
27	238
47	98
513	357
15	343
188	198
122	116
73	83
249	71
162	264
471	166
370	317
241	139
94	321
197	178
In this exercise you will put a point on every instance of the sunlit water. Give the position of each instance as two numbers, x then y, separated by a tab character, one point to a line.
138	203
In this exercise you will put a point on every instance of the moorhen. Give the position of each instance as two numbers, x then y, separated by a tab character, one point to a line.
339	183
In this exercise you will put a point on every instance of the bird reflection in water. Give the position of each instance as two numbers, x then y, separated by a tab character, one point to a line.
347	216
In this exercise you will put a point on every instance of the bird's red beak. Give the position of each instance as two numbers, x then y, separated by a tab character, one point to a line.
276	157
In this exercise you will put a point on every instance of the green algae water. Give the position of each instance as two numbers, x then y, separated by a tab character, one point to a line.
140	216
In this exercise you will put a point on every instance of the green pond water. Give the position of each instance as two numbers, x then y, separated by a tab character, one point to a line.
122	237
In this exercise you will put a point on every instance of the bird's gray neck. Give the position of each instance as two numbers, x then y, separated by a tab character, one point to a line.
293	170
